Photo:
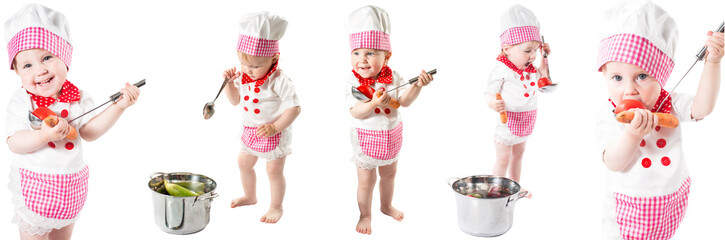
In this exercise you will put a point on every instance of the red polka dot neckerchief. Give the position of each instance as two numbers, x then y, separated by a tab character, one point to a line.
246	79
68	93
385	77
508	63
666	106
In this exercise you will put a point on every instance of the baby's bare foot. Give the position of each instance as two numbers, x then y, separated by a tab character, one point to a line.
272	216
363	226
392	212
243	201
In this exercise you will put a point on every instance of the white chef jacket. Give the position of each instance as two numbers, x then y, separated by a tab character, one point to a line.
381	120
271	99
519	95
58	160
667	169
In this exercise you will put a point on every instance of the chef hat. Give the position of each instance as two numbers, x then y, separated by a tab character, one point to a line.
259	34
519	24
36	26
639	33
369	27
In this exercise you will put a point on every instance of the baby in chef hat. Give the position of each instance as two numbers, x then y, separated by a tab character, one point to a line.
48	177
647	179
269	106
514	77
377	130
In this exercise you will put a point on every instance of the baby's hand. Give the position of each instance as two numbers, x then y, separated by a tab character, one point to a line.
128	97
497	105
380	98
545	49
714	43
61	129
266	130
642	124
232	74
424	79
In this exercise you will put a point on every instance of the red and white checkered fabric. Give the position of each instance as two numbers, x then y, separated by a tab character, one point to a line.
38	37
257	46
370	39
58	196
382	145
521	123
636	50
259	144
651	217
516	35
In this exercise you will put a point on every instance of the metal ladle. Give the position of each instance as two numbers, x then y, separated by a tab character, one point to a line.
209	107
361	96
35	121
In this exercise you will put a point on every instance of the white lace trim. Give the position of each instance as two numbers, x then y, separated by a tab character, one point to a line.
27	220
610	227
504	136
364	161
283	149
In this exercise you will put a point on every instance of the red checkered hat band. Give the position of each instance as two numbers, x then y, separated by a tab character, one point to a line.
370	39
636	50
38	37
257	46
516	35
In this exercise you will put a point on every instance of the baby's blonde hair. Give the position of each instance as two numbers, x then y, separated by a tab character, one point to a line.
244	56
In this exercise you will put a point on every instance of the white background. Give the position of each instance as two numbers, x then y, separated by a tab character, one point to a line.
182	50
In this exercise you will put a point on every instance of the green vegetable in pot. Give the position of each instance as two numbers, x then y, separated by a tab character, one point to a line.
178	191
197	187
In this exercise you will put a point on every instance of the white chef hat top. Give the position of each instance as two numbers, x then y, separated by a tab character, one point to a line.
641	33
519	24
259	33
369	27
37	26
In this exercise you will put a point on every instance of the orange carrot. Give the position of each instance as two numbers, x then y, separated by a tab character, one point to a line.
504	117
393	103
52	120
663	119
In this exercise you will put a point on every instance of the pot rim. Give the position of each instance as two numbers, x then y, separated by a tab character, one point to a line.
451	183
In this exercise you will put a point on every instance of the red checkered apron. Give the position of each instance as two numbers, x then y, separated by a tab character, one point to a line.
381	144
57	196
651	217
259	144
521	123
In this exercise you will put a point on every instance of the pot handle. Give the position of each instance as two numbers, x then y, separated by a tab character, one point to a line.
452	180
202	198
518	196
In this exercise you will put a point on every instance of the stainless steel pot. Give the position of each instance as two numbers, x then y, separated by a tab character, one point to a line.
181	215
492	214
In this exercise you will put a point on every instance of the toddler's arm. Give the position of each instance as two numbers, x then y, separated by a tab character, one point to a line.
707	90
362	109
618	155
544	68
409	96
230	90
27	141
100	124
288	116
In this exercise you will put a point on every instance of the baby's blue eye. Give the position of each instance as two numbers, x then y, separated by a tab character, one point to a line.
371	53
617	78
27	65
642	76
46	58
356	53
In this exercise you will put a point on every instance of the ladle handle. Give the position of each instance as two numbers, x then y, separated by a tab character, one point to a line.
701	54
413	80
117	95
222	88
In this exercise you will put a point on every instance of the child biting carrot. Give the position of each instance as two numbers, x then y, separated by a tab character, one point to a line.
648	183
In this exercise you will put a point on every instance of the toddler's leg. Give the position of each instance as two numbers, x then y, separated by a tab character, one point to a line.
515	165
249	180
62	234
277	184
28	236
387	186
365	184
503	159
